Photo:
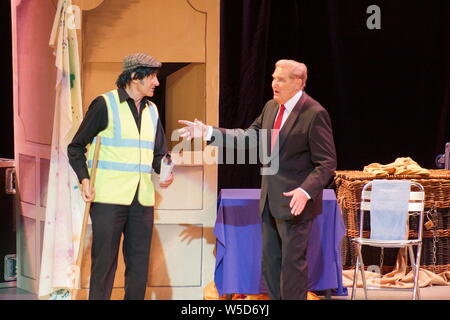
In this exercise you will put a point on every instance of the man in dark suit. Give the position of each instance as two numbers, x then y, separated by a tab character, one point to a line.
301	144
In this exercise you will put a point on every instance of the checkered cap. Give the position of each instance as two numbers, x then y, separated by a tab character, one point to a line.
140	60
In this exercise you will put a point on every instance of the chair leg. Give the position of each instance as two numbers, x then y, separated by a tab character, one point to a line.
363	275
416	263
355	278
381	259
412	260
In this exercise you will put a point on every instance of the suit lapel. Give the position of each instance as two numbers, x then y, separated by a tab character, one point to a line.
289	124
272	112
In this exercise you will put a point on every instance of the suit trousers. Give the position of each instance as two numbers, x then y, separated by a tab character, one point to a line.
284	263
109	221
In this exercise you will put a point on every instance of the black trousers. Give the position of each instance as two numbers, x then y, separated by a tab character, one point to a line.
109	221
284	263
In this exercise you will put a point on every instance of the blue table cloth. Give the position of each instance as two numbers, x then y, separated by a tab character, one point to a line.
239	240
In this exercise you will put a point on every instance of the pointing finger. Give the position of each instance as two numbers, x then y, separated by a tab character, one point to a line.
186	123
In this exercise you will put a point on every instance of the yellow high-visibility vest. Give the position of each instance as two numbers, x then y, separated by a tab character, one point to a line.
126	156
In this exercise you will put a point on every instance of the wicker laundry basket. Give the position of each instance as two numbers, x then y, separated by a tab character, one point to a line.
436	240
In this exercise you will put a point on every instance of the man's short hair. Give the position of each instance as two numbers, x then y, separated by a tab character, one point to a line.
134	74
298	69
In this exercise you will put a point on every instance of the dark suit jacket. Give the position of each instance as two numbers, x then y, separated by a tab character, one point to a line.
306	157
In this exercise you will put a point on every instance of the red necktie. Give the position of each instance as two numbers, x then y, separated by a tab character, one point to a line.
277	126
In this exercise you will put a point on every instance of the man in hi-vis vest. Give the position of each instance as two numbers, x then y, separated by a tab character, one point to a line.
132	146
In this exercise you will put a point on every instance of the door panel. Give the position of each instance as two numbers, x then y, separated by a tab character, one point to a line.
34	98
174	243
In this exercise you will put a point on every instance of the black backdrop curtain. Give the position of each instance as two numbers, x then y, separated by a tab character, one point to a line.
387	90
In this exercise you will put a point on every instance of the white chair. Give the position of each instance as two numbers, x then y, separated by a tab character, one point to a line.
398	236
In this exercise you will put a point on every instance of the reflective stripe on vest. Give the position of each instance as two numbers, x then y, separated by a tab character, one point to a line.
117	166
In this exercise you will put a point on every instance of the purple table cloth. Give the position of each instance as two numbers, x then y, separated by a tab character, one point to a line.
239	238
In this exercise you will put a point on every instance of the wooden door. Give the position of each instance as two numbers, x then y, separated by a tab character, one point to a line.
34	99
173	31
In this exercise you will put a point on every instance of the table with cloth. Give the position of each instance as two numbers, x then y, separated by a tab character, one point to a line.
239	240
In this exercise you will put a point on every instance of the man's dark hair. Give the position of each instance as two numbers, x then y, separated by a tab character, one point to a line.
139	73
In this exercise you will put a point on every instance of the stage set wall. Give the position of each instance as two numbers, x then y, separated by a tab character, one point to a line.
184	36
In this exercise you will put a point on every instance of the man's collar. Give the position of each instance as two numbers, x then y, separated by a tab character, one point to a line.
123	95
290	104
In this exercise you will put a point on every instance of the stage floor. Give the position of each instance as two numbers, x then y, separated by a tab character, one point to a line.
428	293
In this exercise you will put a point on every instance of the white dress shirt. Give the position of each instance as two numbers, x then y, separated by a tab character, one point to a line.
289	105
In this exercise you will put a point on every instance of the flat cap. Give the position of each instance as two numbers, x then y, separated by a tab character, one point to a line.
140	60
